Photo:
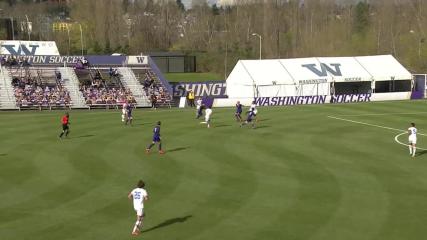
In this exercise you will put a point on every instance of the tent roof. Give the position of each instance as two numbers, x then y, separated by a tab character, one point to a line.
322	69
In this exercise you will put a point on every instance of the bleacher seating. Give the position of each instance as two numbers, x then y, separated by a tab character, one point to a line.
101	89
83	86
153	86
39	88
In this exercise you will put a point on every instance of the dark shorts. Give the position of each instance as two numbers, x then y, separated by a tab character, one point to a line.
156	139
65	127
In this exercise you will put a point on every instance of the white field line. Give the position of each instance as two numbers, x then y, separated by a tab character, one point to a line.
367	124
381	114
396	138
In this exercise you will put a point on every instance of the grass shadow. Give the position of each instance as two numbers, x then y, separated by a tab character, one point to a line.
222	125
420	153
169	222
144	123
178	149
263	126
264	120
84	136
3	154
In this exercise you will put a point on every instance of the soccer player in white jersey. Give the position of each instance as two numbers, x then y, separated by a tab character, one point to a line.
412	131
199	103
124	111
253	110
208	113
139	195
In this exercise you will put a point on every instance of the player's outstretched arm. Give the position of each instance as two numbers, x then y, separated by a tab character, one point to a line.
130	195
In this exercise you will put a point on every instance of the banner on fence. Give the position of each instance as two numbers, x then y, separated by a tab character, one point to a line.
61	60
137	60
215	89
321	99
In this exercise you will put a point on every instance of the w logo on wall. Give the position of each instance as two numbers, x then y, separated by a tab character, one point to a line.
28	48
137	60
334	69
21	49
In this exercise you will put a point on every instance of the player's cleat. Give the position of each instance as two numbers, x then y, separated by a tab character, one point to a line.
147	151
135	233
161	152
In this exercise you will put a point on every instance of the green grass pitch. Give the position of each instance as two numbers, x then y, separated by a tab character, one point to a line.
299	175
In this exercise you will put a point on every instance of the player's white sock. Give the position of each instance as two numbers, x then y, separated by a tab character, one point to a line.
413	151
136	226
410	149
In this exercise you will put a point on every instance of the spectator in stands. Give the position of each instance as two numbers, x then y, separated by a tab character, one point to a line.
116	73
97	75
79	65
29	93
20	61
85	62
102	95
15	82
58	76
3	61
146	83
110	72
26	63
153	99
12	61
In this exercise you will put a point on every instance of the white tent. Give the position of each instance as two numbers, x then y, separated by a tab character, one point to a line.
309	76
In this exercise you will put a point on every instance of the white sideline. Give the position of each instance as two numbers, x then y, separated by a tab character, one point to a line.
367	124
380	114
396	138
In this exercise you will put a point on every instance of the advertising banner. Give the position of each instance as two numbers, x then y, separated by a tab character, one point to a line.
321	99
60	60
137	60
28	48
215	89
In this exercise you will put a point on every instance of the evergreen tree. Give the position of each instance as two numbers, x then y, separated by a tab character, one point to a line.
180	5
107	47
215	9
97	48
125	5
361	18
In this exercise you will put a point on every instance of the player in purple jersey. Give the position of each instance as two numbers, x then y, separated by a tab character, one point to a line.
156	139
239	111
250	119
129	117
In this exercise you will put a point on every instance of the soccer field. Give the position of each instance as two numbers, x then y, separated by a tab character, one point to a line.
306	172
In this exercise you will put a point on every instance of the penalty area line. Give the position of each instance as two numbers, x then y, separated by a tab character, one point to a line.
396	138
367	124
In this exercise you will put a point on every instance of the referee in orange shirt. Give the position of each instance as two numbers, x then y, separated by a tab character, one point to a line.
65	128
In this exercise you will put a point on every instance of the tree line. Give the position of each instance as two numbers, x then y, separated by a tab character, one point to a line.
221	35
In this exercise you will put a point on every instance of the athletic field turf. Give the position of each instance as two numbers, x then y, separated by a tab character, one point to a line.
299	175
